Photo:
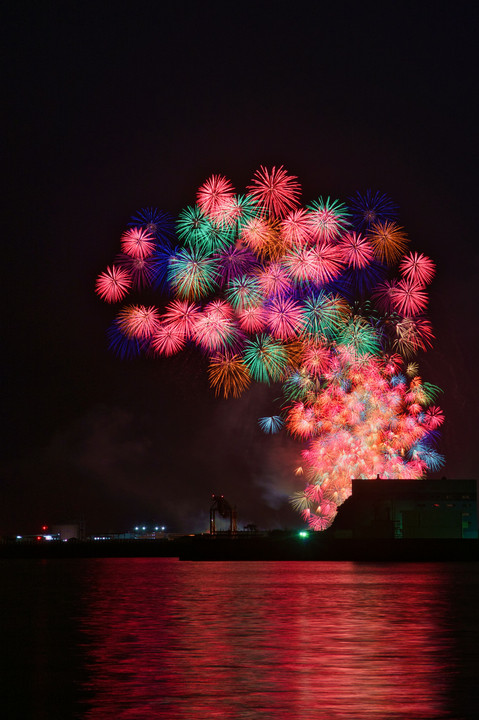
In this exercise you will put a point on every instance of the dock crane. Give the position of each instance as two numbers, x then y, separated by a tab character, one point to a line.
224	509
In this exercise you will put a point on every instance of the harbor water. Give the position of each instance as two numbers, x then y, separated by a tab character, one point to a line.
141	638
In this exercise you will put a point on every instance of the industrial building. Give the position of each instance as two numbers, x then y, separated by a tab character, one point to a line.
381	508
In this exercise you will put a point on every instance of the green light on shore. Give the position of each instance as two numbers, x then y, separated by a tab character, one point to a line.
303	534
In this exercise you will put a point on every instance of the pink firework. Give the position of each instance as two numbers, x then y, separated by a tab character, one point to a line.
113	284
140	270
252	319
182	315
408	298
275	190
216	329
295	228
302	265
327	219
227	213
392	364
417	268
285	318
316	358
413	334
274	280
357	252
215	196
219	309
434	417
320	522
235	261
168	339
256	233
138	243
301	420
138	321
329	262
383	294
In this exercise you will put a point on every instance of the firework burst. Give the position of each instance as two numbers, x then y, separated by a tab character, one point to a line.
214	196
271	425
168	339
369	208
417	268
265	358
285	317
138	243
409	298
228	375
275	190
326	300
192	274
138	321
327	219
113	284
356	251
388	241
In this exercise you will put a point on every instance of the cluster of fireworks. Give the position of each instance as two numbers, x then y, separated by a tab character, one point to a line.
325	299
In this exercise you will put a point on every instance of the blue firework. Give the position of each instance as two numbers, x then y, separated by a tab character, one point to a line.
120	345
157	222
368	208
422	451
270	424
160	262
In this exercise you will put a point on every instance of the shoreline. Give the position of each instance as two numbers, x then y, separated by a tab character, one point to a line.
244	548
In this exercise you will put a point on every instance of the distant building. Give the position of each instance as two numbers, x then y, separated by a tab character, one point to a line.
382	508
70	531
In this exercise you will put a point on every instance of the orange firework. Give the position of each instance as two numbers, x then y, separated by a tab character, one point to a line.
228	375
389	241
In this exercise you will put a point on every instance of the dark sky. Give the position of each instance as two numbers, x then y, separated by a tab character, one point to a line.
111	107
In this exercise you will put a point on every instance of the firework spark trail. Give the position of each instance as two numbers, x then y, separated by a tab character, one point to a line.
325	299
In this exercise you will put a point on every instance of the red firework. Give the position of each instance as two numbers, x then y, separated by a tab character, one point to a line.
138	243
327	219
275	190
413	334
417	268
252	319
383	294
274	280
138	321
113	284
216	328
434	417
316	358
295	228
357	252
302	265
168	339
408	298
219	310
329	260
215	196
285	318
182	315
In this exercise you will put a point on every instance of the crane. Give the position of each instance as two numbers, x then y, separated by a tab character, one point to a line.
221	506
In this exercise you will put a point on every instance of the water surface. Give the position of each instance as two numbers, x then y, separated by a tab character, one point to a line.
156	638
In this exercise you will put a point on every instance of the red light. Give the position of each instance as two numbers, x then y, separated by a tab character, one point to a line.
44	527
39	537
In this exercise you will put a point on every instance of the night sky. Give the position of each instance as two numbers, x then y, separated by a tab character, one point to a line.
109	108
